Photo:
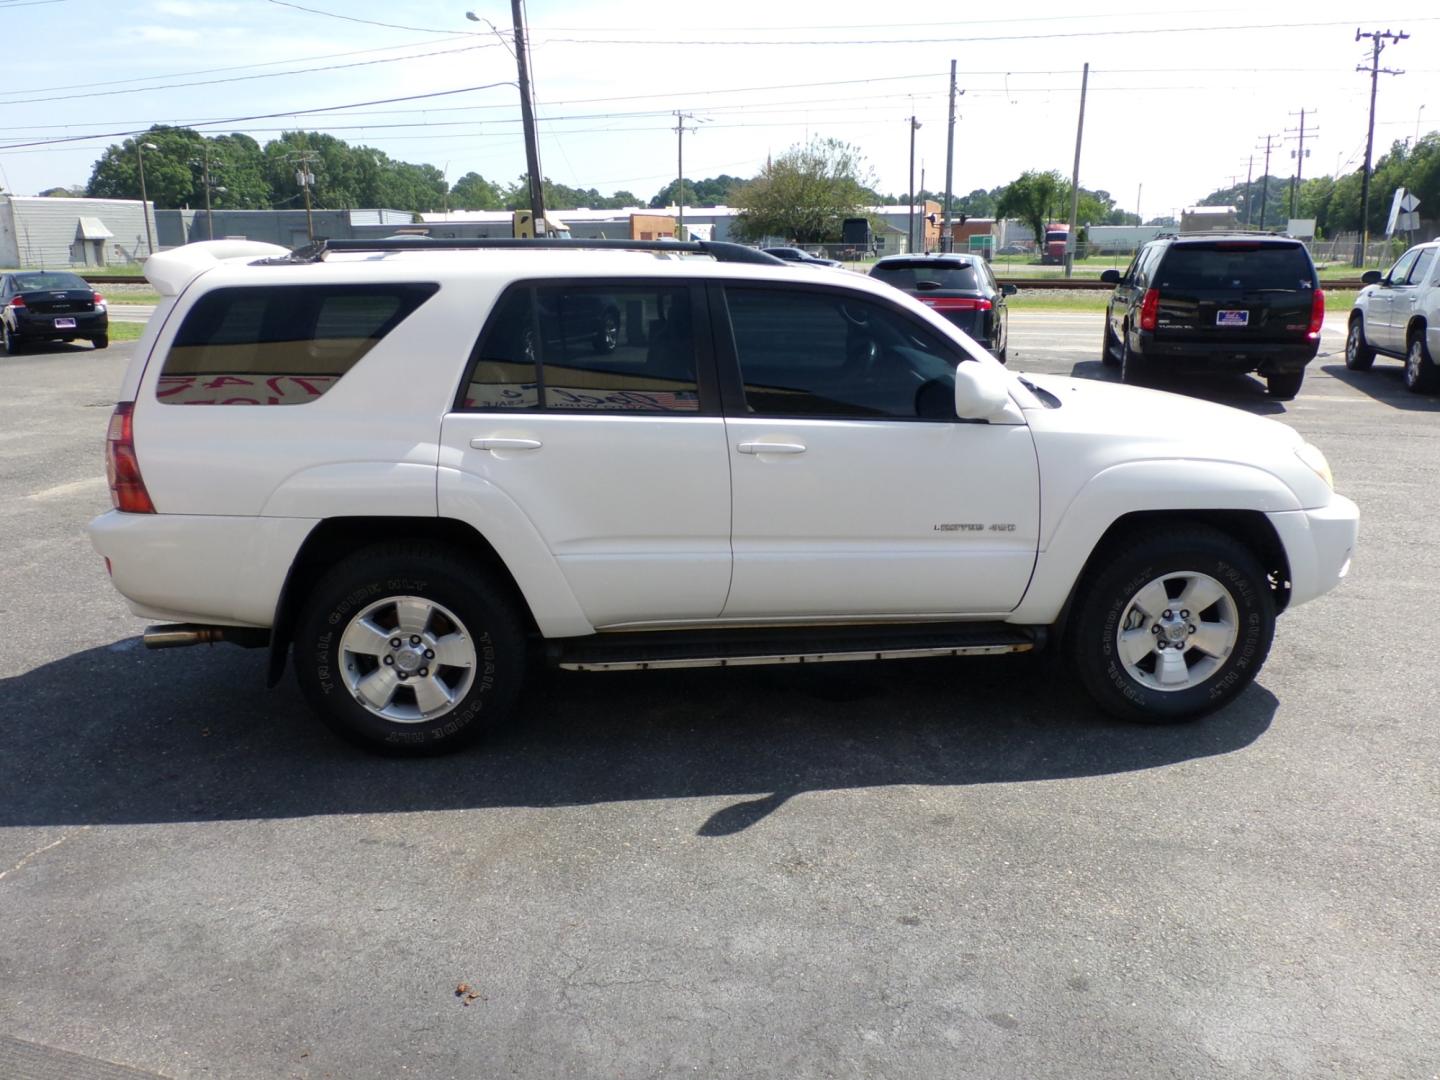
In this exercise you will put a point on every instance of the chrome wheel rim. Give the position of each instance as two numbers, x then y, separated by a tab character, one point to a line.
407	659
1177	631
1413	357
1352	343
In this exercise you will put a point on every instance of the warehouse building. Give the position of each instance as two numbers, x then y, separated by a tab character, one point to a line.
38	232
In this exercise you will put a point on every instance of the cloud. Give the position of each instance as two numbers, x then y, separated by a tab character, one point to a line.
189	9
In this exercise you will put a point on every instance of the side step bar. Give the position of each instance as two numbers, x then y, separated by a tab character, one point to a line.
654	651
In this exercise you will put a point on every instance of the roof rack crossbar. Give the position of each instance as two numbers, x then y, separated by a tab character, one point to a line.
719	250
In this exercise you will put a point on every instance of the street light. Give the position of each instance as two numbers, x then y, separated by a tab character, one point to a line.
910	236
527	115
140	148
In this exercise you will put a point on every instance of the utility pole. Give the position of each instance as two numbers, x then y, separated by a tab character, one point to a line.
527	114
1299	155
910	234
1378	40
205	176
1070	244
947	242
680	119
140	148
305	178
1265	182
1139	188
1249	176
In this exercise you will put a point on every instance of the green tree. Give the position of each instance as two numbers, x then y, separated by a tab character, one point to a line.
805	194
1034	198
473	192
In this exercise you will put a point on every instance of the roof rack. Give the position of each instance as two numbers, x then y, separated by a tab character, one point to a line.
718	250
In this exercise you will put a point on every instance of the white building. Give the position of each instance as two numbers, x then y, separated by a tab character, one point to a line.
37	233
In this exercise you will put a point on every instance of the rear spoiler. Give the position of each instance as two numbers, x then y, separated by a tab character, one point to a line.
170	271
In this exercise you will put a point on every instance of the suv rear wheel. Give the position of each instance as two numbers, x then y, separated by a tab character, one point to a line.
1132	363
1286	385
1173	625
1421	376
1358	355
407	649
1110	349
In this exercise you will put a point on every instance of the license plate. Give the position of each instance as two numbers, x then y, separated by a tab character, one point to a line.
64	324
1232	318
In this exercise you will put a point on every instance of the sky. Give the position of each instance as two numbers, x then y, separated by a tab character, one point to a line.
1179	99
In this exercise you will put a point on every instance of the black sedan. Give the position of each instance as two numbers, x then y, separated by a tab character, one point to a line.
958	287
50	305
797	255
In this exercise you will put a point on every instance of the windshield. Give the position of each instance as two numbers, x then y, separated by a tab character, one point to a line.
908	276
1057	235
53	279
1227	267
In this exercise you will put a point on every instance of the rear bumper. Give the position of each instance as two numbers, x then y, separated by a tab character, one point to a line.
199	569
1319	545
1207	354
34	327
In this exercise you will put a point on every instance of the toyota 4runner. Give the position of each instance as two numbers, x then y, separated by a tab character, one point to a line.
417	467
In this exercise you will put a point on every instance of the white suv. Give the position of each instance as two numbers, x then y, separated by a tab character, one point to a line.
1398	314
417	467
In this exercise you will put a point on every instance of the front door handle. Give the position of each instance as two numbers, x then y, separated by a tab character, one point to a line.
506	444
771	448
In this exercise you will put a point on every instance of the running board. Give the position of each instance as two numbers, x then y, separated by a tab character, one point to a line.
655	651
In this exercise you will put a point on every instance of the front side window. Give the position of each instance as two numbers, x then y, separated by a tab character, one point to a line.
279	345
1401	269
834	354
625	348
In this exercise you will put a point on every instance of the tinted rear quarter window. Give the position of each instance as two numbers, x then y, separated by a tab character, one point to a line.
1232	267
909	277
280	345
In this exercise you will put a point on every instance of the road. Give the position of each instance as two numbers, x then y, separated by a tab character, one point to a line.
921	869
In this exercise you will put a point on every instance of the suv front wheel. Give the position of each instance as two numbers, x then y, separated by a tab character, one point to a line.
1173	625
1358	355
406	649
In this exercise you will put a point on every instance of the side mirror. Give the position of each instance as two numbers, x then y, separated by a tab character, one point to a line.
1008	290
1110	277
981	391
1371	277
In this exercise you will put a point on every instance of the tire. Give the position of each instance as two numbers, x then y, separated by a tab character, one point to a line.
1110	350
608	336
1133	369
1358	355
12	343
342	648
1003	354
1117	649
1421	375
1285	386
101	341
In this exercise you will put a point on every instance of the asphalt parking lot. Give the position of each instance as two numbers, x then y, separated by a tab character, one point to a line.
921	869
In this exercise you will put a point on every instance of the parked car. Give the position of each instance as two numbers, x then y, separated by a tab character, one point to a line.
354	463
798	255
1398	314
959	287
50	305
1238	303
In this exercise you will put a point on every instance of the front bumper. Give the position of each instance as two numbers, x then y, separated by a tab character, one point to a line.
1319	545
1266	357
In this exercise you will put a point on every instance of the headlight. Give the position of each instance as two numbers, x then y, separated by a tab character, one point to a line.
1315	461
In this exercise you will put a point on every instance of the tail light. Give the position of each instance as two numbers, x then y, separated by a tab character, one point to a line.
122	467
17	301
956	303
1317	314
1150	309
99	301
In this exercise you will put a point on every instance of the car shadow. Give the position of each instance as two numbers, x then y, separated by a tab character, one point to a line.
1239	391
1385	383
118	735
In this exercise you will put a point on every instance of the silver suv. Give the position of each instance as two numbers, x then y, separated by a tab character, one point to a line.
1398	314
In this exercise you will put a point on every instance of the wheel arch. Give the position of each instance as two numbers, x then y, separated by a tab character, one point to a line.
1417	326
337	538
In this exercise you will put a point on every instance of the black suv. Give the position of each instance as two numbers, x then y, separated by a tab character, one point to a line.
960	288
1216	303
50	305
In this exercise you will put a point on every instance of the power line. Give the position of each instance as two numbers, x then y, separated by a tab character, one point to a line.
367	22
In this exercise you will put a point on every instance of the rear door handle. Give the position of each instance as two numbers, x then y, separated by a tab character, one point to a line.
771	448
506	444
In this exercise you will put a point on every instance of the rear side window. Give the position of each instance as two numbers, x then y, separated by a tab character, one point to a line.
280	345
1232	267
627	348
1422	266
909	276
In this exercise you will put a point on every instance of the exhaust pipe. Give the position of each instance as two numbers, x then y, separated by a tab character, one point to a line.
180	635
